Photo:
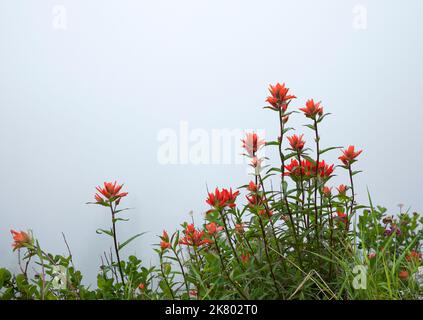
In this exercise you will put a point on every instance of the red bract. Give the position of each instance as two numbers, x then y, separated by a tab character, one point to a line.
111	191
312	109
403	275
342	189
21	239
279	98
252	187
349	155
327	192
213	228
342	216
194	237
413	256
221	199
324	170
252	143
296	142
245	258
308	169
165	244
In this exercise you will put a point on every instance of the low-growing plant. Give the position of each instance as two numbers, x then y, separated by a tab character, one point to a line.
295	236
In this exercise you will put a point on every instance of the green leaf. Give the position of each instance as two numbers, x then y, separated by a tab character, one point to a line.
328	149
103	231
5	276
130	239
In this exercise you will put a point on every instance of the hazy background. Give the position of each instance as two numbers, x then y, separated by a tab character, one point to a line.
85	93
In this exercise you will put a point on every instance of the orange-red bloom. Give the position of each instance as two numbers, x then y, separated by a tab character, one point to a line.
194	237
21	239
279	98
252	143
308	169
327	192
403	275
222	198
111	191
252	187
413	256
165	244
312	109
349	155
296	142
245	258
213	228
342	216
342	189
141	286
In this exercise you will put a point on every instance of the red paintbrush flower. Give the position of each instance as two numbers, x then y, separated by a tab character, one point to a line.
252	143
110	191
342	189
327	192
194	237
252	187
292	169
21	239
222	198
296	142
325	170
213	228
403	275
312	109
349	155
413	256
342	216
165	244
279	98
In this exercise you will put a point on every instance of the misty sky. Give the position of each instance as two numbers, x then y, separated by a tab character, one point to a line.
89	88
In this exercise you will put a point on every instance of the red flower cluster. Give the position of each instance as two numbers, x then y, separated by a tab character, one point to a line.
252	143
343	217
308	169
296	142
194	237
312	109
279	98
221	199
349	155
21	239
111	191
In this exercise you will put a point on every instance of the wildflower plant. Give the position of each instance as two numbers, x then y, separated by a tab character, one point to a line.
287	233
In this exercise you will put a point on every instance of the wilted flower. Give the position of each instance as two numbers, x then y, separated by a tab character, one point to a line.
279	98
312	109
349	155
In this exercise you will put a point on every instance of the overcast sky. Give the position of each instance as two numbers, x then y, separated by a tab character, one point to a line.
92	90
